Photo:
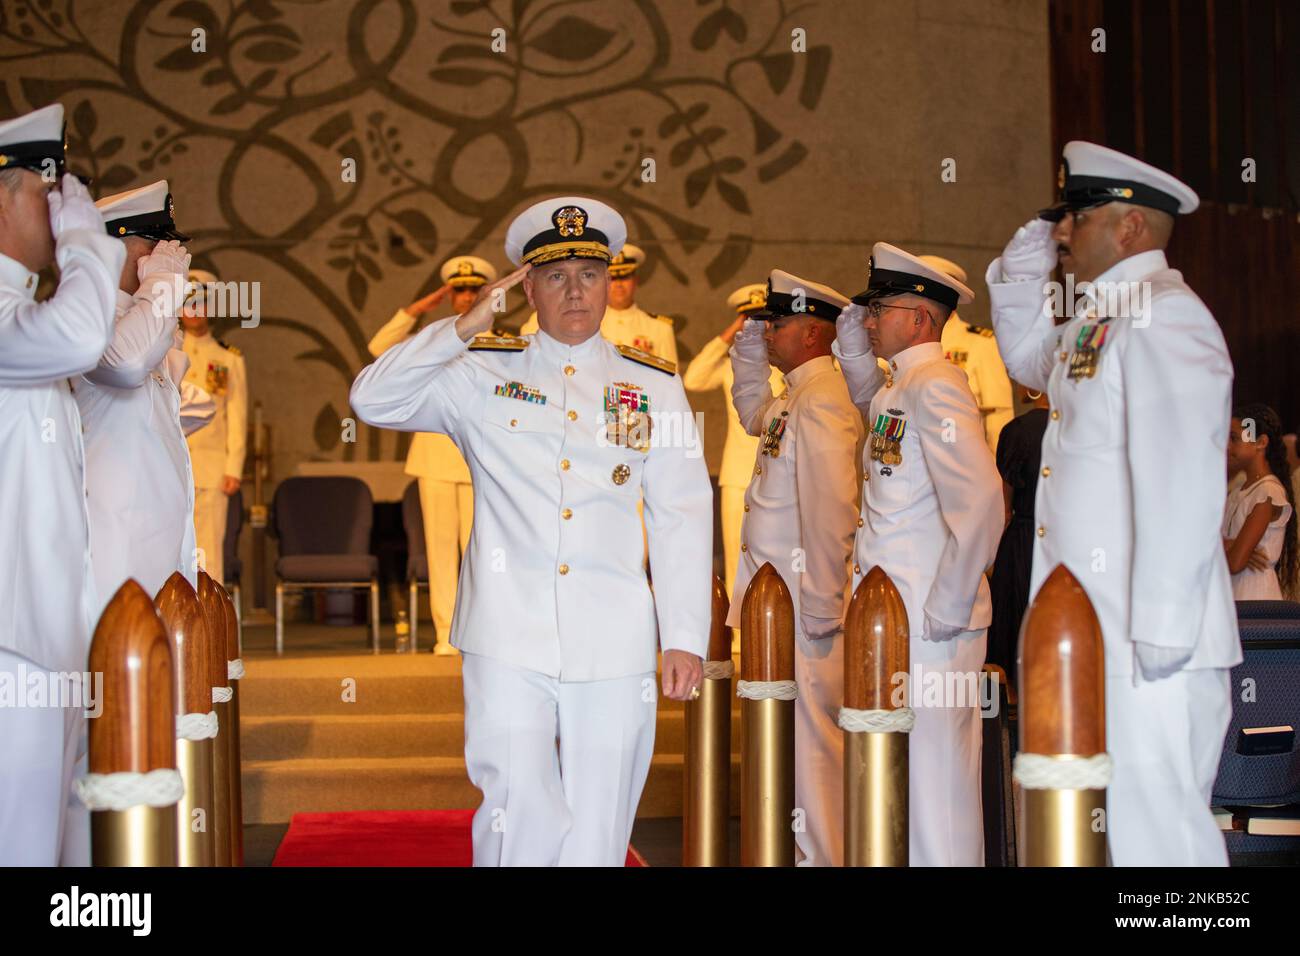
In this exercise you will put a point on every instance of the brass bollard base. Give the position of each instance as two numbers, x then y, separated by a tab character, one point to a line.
1060	828
236	782
140	836
194	761
707	772
767	783
220	818
875	799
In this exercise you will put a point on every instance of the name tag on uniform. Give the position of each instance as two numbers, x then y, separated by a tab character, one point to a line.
627	416
520	391
1087	350
772	437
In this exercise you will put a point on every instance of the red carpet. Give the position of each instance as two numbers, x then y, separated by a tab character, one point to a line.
384	838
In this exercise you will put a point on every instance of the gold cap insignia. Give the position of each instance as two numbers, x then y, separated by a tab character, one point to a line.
570	220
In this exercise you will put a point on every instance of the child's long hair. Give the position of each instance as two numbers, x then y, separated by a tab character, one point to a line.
1268	423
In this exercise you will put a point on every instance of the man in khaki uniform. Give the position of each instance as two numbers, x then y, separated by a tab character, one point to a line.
446	495
217	451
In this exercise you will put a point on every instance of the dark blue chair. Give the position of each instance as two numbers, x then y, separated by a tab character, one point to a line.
417	560
232	565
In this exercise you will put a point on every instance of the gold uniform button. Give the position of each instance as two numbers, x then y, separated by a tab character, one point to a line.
1064	356
1047	471
573	416
857	569
758	470
1042	532
564	569
569	370
747	507
1055	414
744	547
514	422
566	514
564	464
859	522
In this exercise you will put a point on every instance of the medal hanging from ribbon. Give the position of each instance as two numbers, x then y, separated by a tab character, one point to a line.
627	416
886	439
772	437
1087	351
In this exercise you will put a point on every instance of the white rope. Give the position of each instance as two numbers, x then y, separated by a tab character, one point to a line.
898	721
222	695
718	670
766	689
1043	772
196	726
235	669
122	791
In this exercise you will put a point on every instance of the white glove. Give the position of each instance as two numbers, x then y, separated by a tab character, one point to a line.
1159	662
935	630
749	345
167	258
819	628
851	332
72	208
1031	253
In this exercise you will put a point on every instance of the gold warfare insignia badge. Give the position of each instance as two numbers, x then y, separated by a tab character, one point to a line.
621	474
570	221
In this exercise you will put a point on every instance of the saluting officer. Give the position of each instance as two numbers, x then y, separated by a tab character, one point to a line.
973	349
47	592
799	515
446	497
931	518
1131	492
138	477
564	433
216	451
625	322
711	369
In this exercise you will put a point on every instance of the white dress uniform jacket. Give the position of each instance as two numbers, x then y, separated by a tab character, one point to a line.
553	579
1130	499
430	456
634	327
975	351
140	489
47	600
932	520
218	449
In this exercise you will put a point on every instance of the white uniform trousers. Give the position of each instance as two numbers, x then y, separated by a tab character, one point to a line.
211	505
819	751
548	806
946	815
1165	739
37	762
448	509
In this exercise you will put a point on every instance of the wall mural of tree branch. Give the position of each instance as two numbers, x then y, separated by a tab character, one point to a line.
449	136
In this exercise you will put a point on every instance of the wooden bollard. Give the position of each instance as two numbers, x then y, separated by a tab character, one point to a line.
1062	766
214	615
234	667
131	743
707	804
767	721
178	606
876	722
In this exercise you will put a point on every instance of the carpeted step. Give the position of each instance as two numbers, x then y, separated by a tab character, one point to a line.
274	790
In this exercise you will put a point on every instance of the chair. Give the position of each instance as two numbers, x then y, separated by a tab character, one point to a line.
233	567
1267	610
1262	768
323	524
417	561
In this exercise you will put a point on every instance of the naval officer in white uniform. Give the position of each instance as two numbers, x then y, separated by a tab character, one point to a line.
931	519
564	433
138	477
47	595
711	369
974	350
446	496
625	322
1131	491
800	511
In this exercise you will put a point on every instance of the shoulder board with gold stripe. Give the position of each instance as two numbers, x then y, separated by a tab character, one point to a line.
646	359
229	348
665	318
980	330
498	343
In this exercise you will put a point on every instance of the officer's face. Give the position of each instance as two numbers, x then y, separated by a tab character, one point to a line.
25	234
1086	242
898	323
570	297
462	299
787	347
622	292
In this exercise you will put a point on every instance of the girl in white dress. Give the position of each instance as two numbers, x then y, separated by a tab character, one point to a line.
1259	525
